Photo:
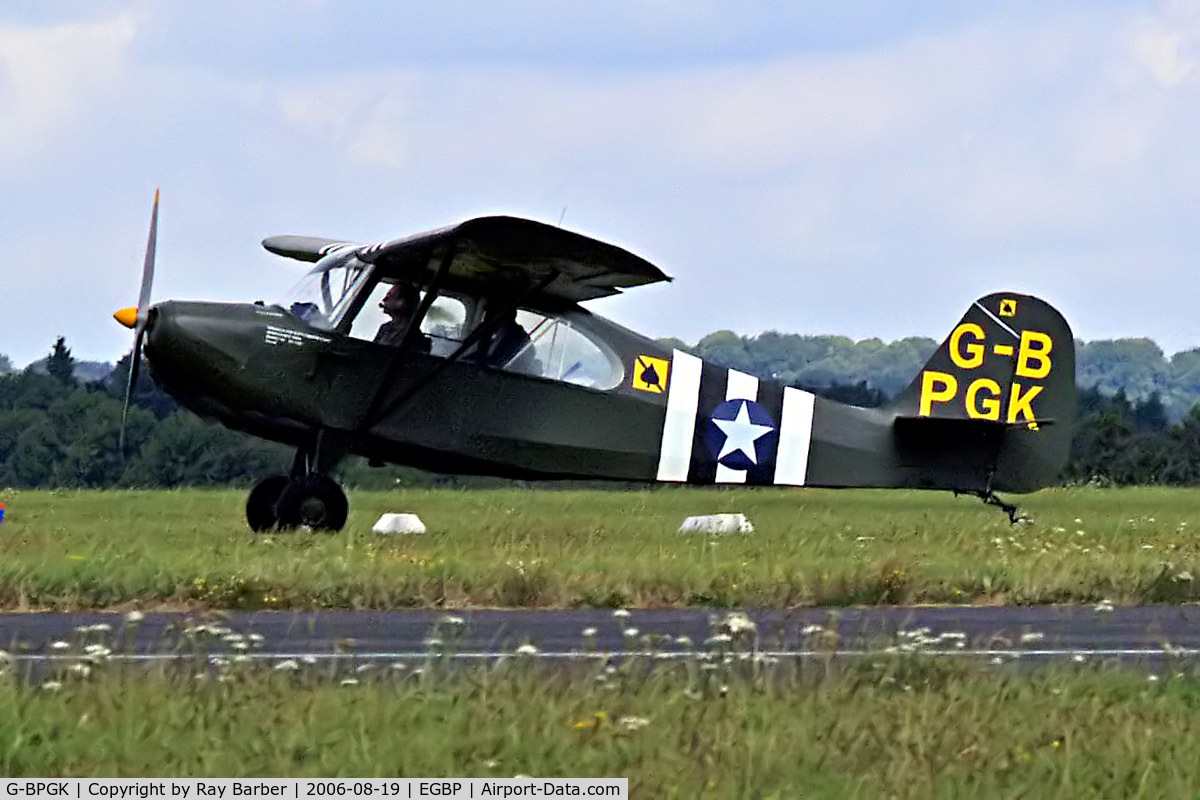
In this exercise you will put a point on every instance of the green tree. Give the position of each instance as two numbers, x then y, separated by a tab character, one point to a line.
31	462
61	365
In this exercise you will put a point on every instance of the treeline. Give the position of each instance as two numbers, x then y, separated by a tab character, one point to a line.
57	430
60	431
1136	367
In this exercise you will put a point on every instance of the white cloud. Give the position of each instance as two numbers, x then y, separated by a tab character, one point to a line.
49	75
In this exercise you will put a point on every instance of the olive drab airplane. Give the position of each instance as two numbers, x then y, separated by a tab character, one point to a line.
578	396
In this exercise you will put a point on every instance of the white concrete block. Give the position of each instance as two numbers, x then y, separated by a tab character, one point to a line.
399	523
717	524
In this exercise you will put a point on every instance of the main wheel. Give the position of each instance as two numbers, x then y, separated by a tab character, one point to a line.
315	501
261	504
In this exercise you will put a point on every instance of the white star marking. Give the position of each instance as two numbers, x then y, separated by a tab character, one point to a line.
741	434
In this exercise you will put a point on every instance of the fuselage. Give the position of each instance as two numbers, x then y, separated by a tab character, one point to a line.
262	370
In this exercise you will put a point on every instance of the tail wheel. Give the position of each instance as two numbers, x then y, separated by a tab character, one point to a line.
315	501
261	505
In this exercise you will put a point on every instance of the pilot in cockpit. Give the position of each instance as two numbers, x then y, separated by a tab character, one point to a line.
400	304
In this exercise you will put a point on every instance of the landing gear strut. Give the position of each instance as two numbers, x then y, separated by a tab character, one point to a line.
308	498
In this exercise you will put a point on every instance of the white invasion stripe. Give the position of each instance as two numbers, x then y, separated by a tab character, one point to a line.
679	427
740	386
795	437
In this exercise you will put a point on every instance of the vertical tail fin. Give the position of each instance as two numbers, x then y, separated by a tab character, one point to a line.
1010	362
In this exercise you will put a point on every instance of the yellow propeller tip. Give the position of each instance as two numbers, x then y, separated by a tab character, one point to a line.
127	316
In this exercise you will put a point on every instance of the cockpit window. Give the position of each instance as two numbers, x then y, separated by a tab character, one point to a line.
324	295
444	323
553	348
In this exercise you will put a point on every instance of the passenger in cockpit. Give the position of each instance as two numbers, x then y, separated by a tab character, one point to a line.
510	346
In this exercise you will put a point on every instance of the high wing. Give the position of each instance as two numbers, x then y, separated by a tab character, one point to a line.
505	255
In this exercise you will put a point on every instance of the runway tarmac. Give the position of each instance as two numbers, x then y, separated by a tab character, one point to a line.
1032	632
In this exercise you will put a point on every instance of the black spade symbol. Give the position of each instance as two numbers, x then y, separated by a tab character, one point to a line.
650	376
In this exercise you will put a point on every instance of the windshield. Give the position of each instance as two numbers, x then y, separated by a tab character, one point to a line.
322	298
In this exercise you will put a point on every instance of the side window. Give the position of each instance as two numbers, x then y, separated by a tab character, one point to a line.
444	324
558	351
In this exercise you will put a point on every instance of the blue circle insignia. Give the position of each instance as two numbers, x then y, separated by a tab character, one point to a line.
741	434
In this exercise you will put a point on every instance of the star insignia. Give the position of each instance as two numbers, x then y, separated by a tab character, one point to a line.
740	434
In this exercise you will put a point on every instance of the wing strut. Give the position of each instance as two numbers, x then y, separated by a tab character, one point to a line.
375	413
414	324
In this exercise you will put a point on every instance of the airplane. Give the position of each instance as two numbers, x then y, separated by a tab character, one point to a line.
991	411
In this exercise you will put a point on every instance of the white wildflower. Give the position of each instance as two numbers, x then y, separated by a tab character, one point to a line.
60	645
52	686
633	723
1033	636
288	665
630	632
527	650
350	682
738	623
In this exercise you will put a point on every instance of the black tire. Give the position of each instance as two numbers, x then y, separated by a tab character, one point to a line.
315	501
261	505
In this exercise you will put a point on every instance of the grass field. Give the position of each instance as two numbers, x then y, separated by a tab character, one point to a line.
568	548
714	726
720	723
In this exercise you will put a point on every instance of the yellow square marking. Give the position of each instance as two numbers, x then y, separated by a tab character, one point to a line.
650	374
1008	308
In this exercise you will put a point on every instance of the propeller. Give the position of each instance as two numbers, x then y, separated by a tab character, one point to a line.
138	317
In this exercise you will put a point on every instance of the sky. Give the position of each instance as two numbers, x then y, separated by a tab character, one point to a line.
857	168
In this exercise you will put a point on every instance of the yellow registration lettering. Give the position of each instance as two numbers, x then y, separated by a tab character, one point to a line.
969	355
936	387
1022	403
986	407
1033	357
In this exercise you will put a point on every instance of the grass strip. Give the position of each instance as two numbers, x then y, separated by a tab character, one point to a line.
538	548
